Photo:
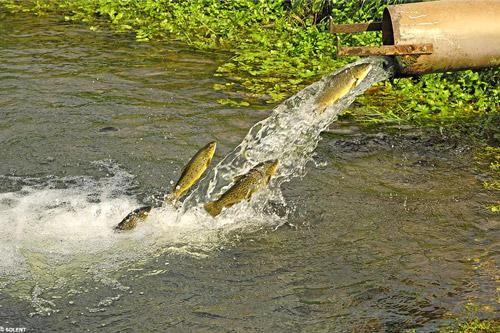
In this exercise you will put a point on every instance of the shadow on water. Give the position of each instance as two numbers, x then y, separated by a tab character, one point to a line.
387	230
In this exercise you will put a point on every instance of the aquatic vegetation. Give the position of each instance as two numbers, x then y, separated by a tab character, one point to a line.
475	326
278	47
292	131
449	95
487	160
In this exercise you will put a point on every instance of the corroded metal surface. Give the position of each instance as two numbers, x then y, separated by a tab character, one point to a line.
464	34
410	49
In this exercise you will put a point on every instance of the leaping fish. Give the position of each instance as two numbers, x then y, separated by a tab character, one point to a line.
245	185
341	84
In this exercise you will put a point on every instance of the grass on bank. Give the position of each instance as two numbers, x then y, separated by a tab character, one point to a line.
474	326
278	47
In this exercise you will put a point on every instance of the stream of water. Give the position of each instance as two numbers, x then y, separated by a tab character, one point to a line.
389	227
290	135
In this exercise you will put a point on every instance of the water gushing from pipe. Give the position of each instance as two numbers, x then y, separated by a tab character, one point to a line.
290	134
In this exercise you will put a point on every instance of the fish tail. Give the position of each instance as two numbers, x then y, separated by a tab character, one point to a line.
212	208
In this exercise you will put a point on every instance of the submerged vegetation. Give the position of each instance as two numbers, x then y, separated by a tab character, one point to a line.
277	47
275	50
487	161
474	326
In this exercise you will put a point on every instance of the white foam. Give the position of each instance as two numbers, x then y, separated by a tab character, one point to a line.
59	231
290	134
56	240
45	226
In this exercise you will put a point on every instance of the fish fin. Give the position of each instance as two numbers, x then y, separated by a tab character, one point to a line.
249	194
208	162
145	210
212	208
238	177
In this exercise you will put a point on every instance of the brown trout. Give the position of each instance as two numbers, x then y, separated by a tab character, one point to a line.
341	84
244	186
192	172
131	220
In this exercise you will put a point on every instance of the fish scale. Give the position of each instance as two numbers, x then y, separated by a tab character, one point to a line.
244	187
192	171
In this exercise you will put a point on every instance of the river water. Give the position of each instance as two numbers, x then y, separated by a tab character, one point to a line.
387	231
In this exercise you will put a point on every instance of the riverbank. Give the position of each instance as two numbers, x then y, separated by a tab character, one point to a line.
275	50
95	124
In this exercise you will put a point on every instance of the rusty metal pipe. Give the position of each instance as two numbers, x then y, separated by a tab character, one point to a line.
465	34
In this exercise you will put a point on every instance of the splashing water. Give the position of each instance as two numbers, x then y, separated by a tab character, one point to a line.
58	232
58	235
290	134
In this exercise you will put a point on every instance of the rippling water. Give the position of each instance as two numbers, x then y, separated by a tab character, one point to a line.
290	134
389	231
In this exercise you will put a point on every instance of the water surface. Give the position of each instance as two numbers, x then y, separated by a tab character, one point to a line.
388	231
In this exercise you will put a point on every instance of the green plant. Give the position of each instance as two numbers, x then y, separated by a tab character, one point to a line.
277	49
474	326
